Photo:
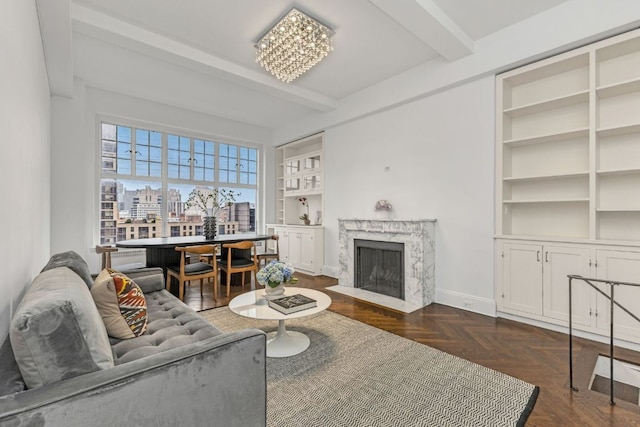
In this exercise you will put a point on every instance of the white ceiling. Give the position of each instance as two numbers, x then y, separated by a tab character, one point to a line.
199	54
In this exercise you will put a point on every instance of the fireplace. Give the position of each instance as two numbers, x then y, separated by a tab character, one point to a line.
380	267
417	238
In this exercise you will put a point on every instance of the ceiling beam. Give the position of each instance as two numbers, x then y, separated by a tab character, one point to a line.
99	25
425	20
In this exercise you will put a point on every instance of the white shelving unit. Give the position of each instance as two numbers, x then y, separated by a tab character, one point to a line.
543	148
300	174
567	172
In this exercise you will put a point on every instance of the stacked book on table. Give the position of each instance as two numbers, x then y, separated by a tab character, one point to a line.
292	303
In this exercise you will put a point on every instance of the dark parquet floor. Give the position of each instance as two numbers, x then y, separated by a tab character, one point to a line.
532	354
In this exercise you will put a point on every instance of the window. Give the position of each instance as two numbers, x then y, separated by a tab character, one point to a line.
147	175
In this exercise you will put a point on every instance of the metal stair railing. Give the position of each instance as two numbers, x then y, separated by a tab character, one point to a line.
612	284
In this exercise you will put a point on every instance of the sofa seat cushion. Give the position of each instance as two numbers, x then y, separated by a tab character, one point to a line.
170	324
121	304
57	332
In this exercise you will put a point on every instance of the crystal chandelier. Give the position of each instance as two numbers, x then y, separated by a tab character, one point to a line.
293	45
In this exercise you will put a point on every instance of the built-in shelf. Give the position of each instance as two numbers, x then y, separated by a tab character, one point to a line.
546	177
617	89
618	130
549	104
552	137
618	171
537	201
619	209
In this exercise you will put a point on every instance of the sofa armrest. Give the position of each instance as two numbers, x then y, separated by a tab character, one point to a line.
220	381
150	279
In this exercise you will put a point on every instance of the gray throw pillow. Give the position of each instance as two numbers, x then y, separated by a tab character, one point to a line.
57	332
72	260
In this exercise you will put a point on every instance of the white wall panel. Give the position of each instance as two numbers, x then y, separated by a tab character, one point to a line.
25	171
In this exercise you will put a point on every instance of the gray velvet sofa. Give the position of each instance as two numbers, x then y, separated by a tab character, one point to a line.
181	371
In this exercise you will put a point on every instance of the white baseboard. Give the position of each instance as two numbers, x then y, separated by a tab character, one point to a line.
467	302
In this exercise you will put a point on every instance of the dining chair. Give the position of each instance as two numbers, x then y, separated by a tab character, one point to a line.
105	252
270	253
187	272
240	257
211	257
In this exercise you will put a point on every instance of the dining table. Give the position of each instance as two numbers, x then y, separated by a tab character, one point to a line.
161	251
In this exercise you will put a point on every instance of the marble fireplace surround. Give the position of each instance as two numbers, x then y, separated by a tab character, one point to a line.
418	237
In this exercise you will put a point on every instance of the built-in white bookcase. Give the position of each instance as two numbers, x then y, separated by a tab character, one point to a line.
618	140
568	180
568	145
299	174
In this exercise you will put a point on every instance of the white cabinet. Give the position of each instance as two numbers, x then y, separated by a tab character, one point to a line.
558	263
521	278
622	266
302	247
534	281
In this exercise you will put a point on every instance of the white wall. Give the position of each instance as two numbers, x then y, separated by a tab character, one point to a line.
75	138
440	155
25	171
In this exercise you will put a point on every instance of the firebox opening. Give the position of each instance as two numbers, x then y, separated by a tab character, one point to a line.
379	267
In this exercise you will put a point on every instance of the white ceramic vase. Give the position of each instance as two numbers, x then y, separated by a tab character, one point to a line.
273	293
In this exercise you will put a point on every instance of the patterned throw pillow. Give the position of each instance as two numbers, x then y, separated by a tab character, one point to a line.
121	304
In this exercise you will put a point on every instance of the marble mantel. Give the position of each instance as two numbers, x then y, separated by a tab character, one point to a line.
418	237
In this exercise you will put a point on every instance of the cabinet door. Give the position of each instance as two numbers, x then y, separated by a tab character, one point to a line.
307	249
294	248
283	243
522	278
624	267
558	263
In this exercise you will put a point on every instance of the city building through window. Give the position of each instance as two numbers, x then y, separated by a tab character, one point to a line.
147	175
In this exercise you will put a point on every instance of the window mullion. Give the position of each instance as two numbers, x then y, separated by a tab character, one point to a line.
165	184
192	157
216	165
134	158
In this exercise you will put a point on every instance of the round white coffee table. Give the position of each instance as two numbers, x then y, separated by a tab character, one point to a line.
282	343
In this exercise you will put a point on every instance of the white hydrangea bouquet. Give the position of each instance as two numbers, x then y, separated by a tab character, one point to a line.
276	273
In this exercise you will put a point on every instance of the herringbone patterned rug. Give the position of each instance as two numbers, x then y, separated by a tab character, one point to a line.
357	375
